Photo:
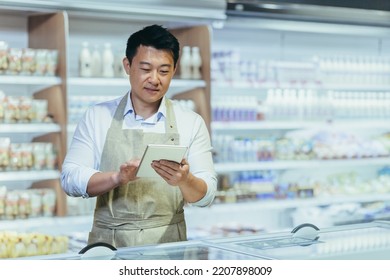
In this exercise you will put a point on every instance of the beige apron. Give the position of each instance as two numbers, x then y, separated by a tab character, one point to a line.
146	211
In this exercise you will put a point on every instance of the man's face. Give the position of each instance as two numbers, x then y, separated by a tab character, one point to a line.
151	72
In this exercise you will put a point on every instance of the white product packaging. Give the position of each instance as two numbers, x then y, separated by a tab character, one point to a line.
196	63
85	61
108	61
185	63
96	62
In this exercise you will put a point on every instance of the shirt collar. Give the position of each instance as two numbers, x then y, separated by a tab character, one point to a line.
161	112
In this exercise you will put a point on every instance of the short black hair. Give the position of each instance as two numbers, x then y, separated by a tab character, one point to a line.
154	36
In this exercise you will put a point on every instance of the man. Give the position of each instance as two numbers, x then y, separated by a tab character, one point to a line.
110	139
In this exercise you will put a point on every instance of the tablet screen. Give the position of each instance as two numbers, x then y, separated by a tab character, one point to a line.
156	152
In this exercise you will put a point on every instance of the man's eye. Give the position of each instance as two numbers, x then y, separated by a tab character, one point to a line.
164	72
145	69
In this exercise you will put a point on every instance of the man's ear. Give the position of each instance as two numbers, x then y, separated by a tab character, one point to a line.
126	65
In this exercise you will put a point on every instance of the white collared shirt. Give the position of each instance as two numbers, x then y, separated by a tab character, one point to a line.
84	154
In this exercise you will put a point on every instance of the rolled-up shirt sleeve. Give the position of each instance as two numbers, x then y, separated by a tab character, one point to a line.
80	162
201	162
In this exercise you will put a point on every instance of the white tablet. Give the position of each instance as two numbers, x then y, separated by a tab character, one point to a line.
156	152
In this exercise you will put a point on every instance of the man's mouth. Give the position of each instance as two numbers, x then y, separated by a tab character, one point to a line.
152	89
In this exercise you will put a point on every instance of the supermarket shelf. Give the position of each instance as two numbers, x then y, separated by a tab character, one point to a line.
298	164
323	201
361	219
281	204
294	125
263	125
29	80
360	87
35	175
49	225
37	128
310	85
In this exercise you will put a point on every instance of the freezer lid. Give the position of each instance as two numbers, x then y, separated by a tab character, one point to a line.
357	241
188	250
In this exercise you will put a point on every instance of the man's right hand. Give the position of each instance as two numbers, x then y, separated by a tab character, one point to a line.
127	171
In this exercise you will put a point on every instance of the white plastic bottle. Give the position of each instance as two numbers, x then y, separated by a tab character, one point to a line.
185	63
96	62
108	61
85	61
196	63
118	65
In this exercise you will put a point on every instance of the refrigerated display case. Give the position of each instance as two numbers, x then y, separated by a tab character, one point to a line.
369	241
352	242
268	153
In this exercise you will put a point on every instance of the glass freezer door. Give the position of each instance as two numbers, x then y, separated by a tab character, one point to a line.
358	241
189	250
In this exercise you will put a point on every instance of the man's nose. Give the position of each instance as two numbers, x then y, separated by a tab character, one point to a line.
153	78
